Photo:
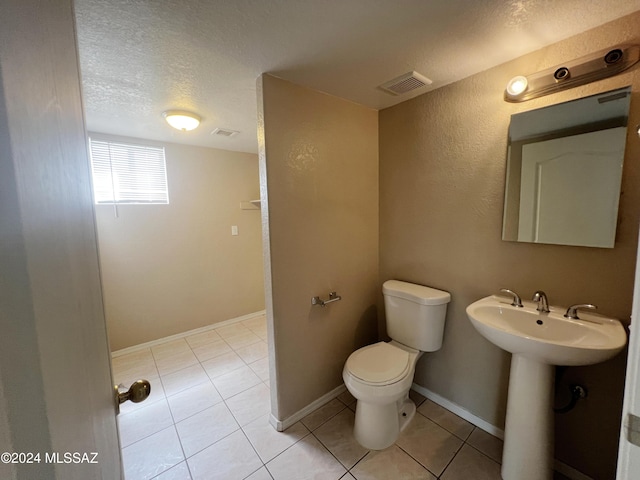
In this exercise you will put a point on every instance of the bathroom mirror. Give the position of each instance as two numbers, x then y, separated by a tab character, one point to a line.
564	169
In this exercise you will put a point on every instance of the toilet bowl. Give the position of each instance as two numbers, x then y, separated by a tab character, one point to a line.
380	375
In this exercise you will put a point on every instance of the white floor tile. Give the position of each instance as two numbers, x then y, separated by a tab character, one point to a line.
268	442
429	443
261	368
262	333
306	460
261	474
212	350
152	456
232	330
250	404
169	349
337	435
237	381
256	322
322	414
240	460
205	428
179	472
242	339
203	338
132	360
193	400
232	438
258	326
134	366
143	422
222	364
167	365
447	420
346	398
253	352
488	444
183	379
390	463
470	464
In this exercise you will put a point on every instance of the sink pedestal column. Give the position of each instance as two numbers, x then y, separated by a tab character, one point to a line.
528	438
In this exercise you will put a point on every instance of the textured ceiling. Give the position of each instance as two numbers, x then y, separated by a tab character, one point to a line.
142	57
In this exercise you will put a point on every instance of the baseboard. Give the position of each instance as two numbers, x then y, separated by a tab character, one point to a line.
558	466
153	343
569	472
281	425
458	410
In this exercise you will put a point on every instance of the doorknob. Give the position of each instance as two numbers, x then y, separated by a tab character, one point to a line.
138	391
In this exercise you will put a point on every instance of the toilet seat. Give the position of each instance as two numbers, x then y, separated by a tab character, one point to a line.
380	364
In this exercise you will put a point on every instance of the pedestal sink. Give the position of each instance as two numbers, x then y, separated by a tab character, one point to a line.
538	342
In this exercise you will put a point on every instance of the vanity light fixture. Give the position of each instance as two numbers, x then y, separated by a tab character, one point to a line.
598	65
181	120
517	85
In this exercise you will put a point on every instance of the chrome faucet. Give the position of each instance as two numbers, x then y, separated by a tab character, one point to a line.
517	301
541	299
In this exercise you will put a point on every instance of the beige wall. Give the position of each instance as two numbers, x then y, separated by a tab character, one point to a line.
442	170
319	162
171	268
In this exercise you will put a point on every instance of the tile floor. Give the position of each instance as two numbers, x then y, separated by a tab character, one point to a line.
207	418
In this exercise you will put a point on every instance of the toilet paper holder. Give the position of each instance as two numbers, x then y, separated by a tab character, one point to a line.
333	297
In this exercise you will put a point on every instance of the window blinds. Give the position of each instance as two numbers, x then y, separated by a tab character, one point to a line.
128	174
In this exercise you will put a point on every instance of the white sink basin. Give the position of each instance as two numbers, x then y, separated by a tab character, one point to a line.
548	338
538	341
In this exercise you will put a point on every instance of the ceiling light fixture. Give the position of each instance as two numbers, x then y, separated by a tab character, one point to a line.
598	65
181	120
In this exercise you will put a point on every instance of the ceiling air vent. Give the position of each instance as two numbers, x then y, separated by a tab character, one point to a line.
224	132
405	83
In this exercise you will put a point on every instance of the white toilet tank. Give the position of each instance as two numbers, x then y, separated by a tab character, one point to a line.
415	314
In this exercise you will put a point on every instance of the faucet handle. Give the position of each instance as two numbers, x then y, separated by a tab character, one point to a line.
572	311
517	301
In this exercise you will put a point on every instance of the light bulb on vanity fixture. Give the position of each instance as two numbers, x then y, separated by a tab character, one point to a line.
598	65
516	86
181	120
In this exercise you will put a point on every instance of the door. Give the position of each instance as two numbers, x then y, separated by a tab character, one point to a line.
629	448
570	189
57	404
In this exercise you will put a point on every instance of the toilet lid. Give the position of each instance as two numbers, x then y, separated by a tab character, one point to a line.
380	363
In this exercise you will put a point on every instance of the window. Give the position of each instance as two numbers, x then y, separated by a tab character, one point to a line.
128	174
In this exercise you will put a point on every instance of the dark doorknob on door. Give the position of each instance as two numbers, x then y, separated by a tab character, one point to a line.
138	392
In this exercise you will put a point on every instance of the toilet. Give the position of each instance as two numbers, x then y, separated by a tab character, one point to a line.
379	376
